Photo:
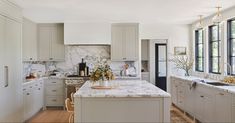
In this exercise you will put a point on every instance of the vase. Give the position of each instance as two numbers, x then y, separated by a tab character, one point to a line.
187	73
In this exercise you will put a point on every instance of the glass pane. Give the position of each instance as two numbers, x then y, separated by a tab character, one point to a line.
233	65
200	64
233	29
233	47
215	48
200	36
214	33
200	50
215	65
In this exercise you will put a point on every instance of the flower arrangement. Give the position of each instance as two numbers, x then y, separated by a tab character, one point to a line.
184	62
102	71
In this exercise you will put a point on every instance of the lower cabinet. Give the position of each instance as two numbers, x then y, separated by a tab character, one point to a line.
54	92
204	103
33	98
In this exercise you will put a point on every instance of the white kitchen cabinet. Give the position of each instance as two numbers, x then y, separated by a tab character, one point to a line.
33	98
145	76
51	42
29	42
54	92
87	33
174	87
223	107
125	42
233	108
145	50
11	98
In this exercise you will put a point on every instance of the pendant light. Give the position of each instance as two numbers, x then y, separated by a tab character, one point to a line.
218	17
199	25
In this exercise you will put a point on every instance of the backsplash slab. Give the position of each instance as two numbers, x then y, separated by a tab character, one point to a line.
74	55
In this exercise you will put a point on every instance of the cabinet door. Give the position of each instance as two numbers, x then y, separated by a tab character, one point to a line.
144	50
189	98
117	43
131	44
44	42
209	109
223	107
29	42
173	92
11	97
57	44
199	105
2	49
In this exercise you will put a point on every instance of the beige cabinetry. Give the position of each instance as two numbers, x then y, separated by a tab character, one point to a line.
33	98
145	50
29	41
54	92
51	42
125	42
10	62
207	104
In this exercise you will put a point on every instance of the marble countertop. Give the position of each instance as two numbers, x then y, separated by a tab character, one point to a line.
229	89
124	88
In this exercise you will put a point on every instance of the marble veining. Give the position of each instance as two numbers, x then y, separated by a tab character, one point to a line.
125	88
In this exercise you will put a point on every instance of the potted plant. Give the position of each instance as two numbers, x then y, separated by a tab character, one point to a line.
102	73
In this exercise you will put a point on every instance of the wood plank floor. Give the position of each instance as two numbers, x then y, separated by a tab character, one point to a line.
62	116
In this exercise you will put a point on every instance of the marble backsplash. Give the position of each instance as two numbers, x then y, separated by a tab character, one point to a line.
74	55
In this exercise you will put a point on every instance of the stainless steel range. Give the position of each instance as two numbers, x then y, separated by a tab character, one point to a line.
73	84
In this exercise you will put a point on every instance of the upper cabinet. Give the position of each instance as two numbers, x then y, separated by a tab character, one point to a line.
145	50
51	42
29	40
125	42
87	33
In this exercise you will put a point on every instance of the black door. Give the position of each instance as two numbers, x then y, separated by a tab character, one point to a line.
161	66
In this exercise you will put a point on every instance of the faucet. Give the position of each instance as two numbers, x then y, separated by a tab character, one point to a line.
230	68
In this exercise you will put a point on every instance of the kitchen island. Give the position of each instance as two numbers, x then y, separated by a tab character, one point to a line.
133	101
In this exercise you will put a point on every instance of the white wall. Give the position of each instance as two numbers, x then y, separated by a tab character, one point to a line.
176	35
227	14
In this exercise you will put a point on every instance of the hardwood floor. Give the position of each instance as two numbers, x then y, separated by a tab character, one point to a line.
51	116
62	116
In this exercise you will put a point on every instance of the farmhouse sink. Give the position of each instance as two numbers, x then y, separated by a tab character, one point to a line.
218	84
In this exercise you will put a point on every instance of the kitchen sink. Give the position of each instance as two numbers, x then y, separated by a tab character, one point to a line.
218	84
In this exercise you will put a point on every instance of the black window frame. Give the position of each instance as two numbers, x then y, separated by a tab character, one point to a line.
210	49
197	48
230	46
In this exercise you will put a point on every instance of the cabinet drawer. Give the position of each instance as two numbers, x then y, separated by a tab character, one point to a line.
54	82
54	90
54	101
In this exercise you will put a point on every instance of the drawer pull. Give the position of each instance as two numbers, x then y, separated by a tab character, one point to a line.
53	90
201	96
39	88
53	82
54	100
31	87
24	89
28	94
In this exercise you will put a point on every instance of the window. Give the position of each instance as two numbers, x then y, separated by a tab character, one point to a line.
199	51
214	49
231	45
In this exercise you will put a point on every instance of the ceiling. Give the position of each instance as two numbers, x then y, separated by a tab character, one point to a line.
142	11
